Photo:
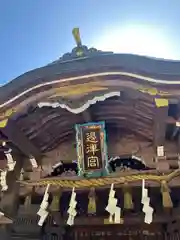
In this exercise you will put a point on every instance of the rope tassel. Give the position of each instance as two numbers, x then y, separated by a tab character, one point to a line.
27	202
55	202
166	198
128	202
28	199
92	201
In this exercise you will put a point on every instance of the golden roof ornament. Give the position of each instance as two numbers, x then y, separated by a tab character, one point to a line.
77	38
79	50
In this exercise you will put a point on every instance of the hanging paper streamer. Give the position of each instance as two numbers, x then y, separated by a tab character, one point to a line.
166	198
43	213
92	202
128	203
21	177
147	209
72	209
4	185
33	162
1	214
112	208
10	161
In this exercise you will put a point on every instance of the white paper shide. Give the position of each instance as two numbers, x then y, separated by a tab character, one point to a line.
33	162
43	213
72	209
4	186
112	208
147	209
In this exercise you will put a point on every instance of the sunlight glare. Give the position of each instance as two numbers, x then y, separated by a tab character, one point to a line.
141	40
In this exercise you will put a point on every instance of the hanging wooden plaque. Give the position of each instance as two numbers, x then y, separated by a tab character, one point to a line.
92	149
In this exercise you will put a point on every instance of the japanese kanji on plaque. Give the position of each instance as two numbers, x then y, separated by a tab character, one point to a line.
91	149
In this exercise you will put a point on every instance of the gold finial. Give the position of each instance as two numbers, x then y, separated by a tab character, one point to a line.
76	35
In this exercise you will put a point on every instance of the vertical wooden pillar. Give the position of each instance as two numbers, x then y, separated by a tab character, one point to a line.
160	117
178	127
4	232
10	199
161	114
173	231
9	202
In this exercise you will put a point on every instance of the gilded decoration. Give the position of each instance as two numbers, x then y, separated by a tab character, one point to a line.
78	89
80	50
4	116
153	91
161	102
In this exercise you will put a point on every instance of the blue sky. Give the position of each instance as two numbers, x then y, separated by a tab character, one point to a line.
35	32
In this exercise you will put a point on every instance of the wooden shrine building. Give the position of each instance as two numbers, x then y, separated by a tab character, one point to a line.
90	149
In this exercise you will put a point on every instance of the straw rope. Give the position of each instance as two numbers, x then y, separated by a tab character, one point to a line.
99	182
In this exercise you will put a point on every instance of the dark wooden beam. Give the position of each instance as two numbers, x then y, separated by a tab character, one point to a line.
160	117
125	220
86	115
19	139
130	219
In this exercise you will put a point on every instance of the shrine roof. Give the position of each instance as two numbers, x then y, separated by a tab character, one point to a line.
57	95
96	64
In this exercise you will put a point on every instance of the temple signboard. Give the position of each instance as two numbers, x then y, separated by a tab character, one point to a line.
91	149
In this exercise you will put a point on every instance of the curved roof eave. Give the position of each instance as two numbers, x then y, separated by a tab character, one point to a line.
166	70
